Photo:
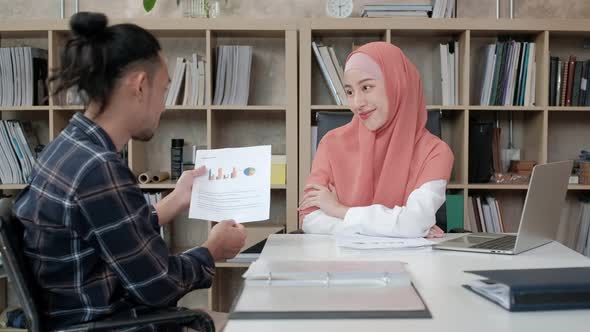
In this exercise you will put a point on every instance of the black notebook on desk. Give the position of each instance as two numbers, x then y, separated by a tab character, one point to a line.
535	289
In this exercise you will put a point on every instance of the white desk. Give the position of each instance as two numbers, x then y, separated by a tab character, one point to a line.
438	276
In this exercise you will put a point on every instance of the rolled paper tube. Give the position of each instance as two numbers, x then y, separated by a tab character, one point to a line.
144	178
160	176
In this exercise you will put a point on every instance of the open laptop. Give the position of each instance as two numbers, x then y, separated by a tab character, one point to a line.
539	220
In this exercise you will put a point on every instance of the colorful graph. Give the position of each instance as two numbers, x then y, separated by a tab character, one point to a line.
221	175
249	171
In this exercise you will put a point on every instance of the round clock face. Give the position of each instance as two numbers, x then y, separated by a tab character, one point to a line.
339	8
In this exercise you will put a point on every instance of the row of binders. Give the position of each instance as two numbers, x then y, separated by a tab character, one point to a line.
23	72
188	82
17	143
439	9
449	68
232	84
484	215
331	71
568	82
509	75
574	227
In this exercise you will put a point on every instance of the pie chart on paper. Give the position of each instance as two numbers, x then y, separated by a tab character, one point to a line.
249	171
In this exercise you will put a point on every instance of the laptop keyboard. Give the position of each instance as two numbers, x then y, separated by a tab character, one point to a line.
502	243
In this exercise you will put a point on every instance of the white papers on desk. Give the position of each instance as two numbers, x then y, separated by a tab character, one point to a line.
236	185
359	241
496	292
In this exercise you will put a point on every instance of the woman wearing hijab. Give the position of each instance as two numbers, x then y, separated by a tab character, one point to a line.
382	174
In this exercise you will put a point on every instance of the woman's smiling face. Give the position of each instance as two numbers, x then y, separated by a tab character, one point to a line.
365	89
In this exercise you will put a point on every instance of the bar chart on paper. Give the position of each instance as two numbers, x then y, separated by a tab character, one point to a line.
222	174
236	185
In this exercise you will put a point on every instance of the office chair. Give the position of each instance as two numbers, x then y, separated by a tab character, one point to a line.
11	248
327	121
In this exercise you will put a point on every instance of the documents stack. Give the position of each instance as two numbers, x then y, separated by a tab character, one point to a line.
568	81
484	214
449	67
17	143
188	82
331	71
444	9
392	10
23	72
328	290
232	81
574	226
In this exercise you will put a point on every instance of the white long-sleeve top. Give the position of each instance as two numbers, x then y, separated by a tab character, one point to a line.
412	220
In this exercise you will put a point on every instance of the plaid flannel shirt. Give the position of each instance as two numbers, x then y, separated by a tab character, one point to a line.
92	241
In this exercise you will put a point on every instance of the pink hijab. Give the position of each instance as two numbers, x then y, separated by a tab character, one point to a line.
385	166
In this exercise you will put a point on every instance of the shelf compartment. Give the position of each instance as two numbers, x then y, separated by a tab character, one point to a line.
562	45
233	128
424	53
568	133
529	130
39	119
479	42
154	155
267	68
511	203
342	42
453	133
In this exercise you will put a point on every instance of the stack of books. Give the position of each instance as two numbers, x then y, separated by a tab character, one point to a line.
444	9
484	214
509	77
23	75
232	81
331	70
391	10
449	66
188	82
17	146
574	226
437	9
567	82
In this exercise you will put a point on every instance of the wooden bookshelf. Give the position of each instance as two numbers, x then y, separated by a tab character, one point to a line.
287	89
270	117
543	133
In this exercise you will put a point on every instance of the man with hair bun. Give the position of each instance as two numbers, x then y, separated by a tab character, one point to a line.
91	240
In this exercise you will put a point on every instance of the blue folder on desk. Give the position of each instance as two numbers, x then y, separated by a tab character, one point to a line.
535	289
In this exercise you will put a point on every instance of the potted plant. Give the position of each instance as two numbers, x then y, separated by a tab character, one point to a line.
191	8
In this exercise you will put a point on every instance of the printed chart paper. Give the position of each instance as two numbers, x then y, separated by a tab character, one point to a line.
235	186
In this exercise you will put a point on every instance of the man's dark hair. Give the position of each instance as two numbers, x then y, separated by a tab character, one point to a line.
96	56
